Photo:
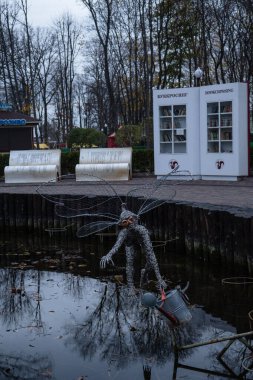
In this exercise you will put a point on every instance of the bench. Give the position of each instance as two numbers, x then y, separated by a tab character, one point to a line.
30	166
112	164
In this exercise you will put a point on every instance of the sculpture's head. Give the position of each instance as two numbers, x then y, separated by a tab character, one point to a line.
127	217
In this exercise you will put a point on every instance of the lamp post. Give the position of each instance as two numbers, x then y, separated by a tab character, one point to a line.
198	75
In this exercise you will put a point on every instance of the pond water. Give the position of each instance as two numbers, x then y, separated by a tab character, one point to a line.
63	318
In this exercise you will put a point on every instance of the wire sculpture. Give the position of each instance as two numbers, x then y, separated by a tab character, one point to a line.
95	215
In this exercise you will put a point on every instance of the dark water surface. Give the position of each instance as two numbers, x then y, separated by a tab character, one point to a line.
63	318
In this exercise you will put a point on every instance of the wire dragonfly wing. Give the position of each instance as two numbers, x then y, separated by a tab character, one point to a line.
157	193
94	227
101	194
97	205
94	209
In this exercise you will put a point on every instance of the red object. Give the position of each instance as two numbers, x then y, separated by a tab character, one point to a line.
168	315
163	295
111	140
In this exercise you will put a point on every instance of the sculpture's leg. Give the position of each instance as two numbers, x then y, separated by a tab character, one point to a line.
143	276
130	253
150	255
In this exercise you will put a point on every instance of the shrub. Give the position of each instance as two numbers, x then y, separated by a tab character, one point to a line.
129	135
4	161
68	162
143	161
79	137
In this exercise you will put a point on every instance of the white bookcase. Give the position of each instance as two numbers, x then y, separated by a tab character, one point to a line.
224	131
176	130
219	127
173	128
204	130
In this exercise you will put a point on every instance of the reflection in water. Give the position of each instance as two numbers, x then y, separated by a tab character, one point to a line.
97	324
25	367
59	321
121	330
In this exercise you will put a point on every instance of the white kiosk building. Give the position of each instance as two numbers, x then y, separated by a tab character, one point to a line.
203	130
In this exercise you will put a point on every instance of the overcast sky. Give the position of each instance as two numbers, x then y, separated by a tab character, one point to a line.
44	12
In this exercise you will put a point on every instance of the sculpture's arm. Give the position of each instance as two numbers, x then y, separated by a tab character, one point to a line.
120	240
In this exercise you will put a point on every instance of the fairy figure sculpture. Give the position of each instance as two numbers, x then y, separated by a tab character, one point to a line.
130	235
95	207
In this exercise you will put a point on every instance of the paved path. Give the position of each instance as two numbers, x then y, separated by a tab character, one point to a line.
227	194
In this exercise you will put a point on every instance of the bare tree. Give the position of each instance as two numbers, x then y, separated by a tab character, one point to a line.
67	47
133	46
102	13
32	64
9	49
46	45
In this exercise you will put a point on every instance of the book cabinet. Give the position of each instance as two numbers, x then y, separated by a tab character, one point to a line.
204	130
173	134
176	130
224	132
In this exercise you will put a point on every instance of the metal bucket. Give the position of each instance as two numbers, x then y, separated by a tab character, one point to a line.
175	305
